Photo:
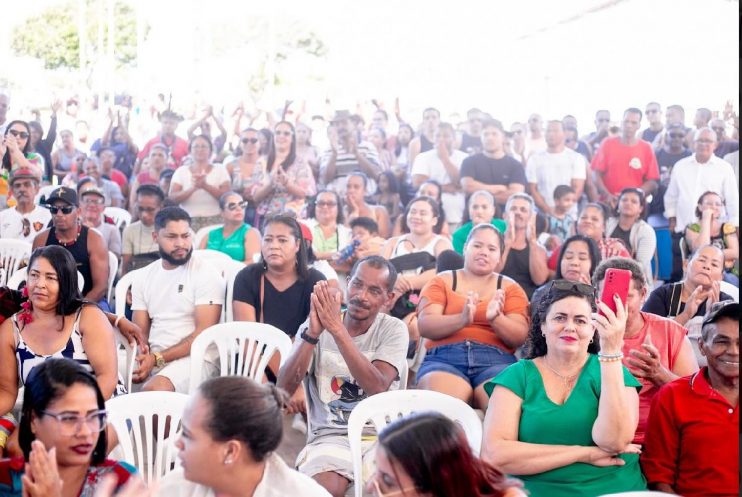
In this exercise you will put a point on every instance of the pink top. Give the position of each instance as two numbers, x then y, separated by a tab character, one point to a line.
667	336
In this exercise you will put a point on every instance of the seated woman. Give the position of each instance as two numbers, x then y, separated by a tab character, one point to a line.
428	188
481	209
415	271
473	320
62	435
656	350
562	420
356	206
629	227
577	261
412	451
232	427
710	229
236	238
689	298
325	218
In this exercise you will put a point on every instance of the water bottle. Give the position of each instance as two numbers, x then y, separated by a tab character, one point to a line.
347	251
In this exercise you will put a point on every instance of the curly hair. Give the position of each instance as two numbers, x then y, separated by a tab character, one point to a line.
535	345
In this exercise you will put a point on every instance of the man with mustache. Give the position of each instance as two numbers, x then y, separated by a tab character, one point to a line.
173	300
25	220
343	358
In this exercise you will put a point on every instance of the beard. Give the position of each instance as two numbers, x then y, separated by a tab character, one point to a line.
174	260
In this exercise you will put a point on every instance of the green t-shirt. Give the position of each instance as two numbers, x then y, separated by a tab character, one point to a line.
544	422
234	246
458	239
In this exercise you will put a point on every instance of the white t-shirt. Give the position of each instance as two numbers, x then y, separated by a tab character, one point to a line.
201	203
278	481
549	170
430	165
11	223
170	297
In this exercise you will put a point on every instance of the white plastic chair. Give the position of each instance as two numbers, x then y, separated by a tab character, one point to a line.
121	217
143	441
20	276
44	191
230	272
12	253
383	408
126	367
218	259
122	286
203	233
113	269
729	289
244	348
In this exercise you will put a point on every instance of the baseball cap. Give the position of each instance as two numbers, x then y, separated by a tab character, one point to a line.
23	173
67	195
725	308
91	188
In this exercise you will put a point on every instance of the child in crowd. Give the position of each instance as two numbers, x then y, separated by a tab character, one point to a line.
561	223
365	241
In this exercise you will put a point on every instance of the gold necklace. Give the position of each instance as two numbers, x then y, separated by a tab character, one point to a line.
567	380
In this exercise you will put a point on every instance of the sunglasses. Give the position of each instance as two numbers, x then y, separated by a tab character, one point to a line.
65	210
148	210
581	288
282	133
26	225
232	206
17	133
249	140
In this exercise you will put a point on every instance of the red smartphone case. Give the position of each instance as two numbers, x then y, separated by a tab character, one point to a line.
616	282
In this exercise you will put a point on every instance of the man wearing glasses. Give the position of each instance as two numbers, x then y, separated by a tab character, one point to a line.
25	220
139	247
691	447
111	190
86	245
92	204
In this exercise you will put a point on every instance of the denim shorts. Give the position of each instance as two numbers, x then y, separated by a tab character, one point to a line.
472	361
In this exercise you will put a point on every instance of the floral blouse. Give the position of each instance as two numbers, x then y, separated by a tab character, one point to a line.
281	200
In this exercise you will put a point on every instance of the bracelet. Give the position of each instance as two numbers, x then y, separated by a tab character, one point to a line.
116	323
610	357
311	340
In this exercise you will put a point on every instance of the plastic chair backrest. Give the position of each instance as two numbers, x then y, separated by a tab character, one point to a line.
44	191
121	217
230	272
383	408
12	253
146	443
122	286
203	233
126	368
729	289
244	348
113	269
20	277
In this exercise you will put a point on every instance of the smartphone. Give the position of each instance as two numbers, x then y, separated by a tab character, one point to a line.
616	282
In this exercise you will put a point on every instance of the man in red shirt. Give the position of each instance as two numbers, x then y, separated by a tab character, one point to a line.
691	446
625	161
177	147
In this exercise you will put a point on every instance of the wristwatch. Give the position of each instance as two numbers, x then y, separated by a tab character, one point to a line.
305	336
159	360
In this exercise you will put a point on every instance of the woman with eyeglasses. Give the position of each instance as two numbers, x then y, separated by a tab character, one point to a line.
62	435
629	227
710	229
198	186
425	454
232	427
247	170
473	319
15	150
563	418
235	238
288	180
325	219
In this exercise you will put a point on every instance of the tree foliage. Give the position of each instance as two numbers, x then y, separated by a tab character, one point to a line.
52	35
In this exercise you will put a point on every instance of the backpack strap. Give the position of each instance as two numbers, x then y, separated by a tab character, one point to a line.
499	281
453	273
677	290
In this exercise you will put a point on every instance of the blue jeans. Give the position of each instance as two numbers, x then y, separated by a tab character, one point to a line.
471	361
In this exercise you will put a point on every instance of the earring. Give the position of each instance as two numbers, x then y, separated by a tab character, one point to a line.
543	334
227	461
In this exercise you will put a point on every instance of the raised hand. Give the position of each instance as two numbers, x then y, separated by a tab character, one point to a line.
611	326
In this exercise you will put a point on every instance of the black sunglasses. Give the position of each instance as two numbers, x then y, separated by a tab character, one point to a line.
249	140
581	288
17	133
65	210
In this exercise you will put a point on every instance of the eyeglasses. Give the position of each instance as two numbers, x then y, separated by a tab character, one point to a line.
148	210
70	424
326	203
232	206
705	141
65	210
282	133
16	133
582	288
93	201
249	140
379	493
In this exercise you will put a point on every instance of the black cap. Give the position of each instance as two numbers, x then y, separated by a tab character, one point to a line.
67	195
725	308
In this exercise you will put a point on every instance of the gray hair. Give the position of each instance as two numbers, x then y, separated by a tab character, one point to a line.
483	193
701	130
520	196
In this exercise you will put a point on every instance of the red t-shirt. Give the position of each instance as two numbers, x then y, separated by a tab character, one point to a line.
692	440
119	178
625	166
178	149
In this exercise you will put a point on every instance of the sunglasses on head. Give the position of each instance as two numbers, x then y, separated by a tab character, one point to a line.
16	133
67	209
236	205
581	288
249	140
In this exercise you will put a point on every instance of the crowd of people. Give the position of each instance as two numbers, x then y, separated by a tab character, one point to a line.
462	258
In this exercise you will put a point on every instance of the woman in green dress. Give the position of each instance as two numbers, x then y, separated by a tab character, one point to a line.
235	238
562	419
